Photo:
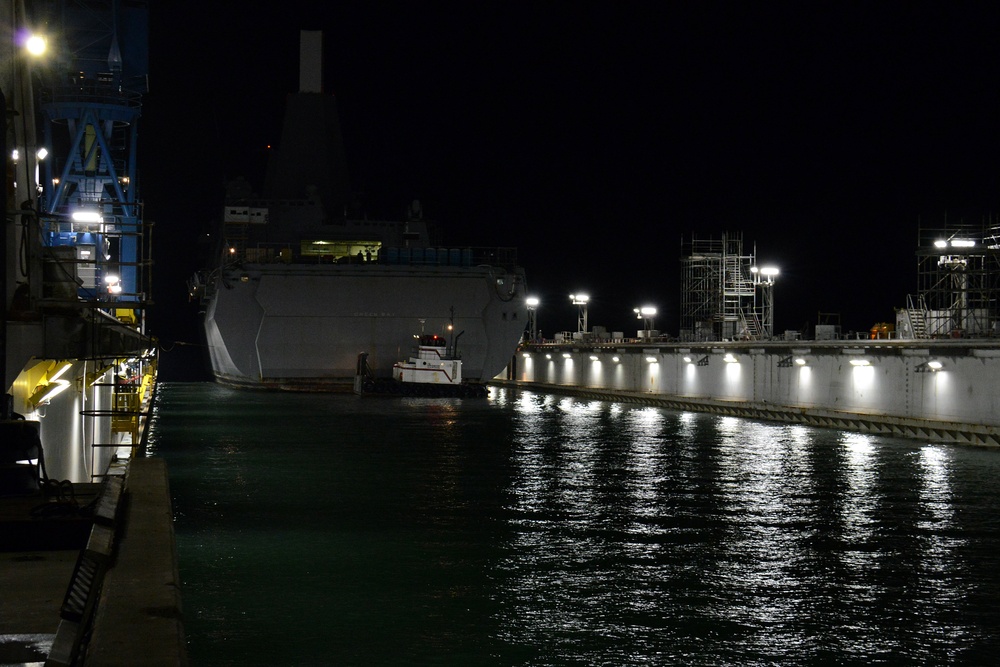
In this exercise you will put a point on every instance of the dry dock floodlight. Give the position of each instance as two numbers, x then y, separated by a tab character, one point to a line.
646	314
532	303
581	300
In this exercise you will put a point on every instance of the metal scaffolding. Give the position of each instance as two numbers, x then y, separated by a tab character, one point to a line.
958	281
723	295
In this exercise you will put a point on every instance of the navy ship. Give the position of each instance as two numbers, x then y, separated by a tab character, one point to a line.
302	287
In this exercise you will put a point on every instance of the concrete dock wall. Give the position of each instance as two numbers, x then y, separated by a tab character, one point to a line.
941	390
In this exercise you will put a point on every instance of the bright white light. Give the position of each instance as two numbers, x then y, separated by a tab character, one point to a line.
87	216
651	360
962	243
769	271
42	153
56	387
687	360
566	355
15	155
548	356
645	311
35	45
934	365
730	359
593	357
62	371
526	355
114	284
800	361
860	362
532	301
579	299
615	359
940	243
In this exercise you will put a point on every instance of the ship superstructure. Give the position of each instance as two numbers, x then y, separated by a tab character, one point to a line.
77	360
305	283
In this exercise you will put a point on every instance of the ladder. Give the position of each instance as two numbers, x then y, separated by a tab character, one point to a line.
751	325
916	315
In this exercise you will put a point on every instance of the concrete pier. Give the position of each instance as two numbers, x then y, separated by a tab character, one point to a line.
138	619
133	608
941	390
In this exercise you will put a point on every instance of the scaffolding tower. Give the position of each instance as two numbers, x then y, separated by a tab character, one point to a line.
958	281
722	294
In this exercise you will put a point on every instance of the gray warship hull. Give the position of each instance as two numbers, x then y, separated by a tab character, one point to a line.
302	327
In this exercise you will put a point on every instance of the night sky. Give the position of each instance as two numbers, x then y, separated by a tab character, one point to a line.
594	136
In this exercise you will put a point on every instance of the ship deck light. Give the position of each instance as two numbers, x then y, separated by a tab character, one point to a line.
86	215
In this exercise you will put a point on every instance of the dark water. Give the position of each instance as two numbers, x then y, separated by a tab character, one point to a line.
529	529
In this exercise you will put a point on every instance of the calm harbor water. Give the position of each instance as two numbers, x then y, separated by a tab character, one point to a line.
531	529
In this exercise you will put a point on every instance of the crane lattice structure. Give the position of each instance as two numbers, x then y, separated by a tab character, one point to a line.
94	242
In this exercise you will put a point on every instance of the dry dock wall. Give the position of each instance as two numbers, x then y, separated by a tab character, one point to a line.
947	391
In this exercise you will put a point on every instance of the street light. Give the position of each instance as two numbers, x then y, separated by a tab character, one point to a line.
764	278
646	314
532	303
580	300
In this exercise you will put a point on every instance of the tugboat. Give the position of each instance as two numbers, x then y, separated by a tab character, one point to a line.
435	370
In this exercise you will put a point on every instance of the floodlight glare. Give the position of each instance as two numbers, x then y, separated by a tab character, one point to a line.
87	216
532	301
35	45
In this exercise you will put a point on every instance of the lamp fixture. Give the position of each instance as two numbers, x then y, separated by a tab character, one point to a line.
930	366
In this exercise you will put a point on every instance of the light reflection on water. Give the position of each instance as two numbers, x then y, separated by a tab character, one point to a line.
533	529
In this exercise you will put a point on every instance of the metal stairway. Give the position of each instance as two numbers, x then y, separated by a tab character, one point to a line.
916	315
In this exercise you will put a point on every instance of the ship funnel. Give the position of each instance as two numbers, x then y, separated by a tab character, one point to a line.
311	61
